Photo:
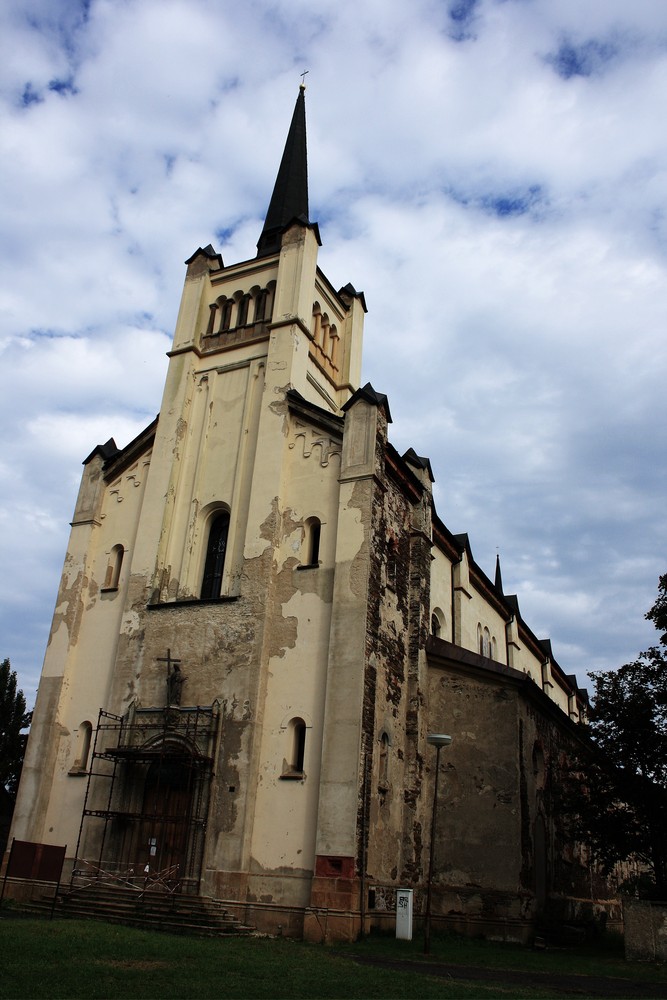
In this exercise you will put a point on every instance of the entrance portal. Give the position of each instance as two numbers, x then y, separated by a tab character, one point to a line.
165	815
147	799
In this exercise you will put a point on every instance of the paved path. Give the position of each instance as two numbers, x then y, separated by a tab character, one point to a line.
577	986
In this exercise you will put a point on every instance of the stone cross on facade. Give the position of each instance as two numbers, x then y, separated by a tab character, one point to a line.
174	678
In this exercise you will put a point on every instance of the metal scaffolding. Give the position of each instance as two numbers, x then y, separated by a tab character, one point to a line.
144	816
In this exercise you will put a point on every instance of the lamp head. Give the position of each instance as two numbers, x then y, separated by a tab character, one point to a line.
438	739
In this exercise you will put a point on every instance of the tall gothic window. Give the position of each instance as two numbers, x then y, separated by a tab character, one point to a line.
215	556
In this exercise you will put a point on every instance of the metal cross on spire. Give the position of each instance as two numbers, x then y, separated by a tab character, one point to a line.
303	80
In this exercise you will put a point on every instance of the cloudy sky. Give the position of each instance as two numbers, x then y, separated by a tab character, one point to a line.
493	175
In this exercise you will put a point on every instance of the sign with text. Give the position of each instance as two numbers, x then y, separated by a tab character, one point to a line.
404	914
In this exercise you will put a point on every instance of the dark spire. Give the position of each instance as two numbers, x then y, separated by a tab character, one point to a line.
499	579
289	200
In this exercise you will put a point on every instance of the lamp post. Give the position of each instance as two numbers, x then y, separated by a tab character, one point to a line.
437	740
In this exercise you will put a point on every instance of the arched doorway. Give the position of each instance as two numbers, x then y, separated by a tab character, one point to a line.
166	813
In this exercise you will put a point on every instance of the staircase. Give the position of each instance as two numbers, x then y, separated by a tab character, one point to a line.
152	910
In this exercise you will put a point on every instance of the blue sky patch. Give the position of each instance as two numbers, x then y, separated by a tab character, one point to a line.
461	16
225	234
512	204
63	87
503	204
30	96
584	59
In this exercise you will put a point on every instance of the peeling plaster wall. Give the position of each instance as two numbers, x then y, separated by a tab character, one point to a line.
398	624
80	656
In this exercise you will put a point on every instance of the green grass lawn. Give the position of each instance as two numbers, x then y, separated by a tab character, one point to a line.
87	959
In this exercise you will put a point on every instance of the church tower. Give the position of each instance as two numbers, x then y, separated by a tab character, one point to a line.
195	604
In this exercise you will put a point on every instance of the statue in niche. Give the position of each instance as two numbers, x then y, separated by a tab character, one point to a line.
175	681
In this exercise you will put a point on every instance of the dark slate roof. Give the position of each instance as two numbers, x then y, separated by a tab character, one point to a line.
368	393
108	450
546	646
513	602
350	290
418	462
207	251
289	201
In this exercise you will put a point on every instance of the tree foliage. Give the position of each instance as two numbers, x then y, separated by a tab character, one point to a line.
617	794
13	720
658	613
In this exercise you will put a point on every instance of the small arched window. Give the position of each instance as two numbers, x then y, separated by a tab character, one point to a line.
325	334
299	750
333	341
114	567
226	315
211	319
316	324
215	556
311	541
437	623
242	315
85	733
294	762
260	305
486	643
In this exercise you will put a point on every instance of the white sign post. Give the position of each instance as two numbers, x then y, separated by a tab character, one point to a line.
404	914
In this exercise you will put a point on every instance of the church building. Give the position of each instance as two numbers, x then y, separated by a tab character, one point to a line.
261	619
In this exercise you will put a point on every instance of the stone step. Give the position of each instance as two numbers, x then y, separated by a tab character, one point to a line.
177	914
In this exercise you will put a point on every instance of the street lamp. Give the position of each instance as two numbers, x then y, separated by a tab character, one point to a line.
437	740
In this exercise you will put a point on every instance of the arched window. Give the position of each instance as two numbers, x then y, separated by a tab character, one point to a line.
311	542
333	340
226	315
296	750
242	315
113	568
215	556
316	324
325	333
260	305
486	643
211	319
437	623
85	733
299	750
